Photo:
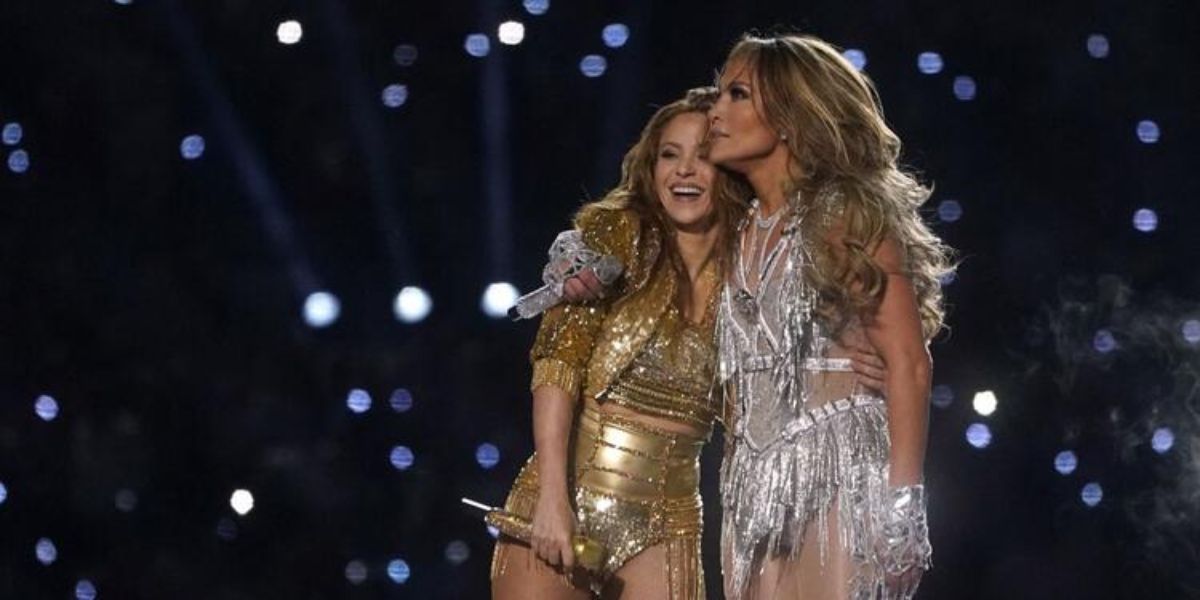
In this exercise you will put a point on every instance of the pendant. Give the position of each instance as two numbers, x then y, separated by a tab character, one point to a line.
746	304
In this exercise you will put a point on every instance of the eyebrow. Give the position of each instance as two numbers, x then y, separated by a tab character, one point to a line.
663	143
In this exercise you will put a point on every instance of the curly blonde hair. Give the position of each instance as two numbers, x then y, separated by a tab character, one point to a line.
636	190
843	151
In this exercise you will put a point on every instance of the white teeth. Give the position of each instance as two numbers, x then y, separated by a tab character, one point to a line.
687	190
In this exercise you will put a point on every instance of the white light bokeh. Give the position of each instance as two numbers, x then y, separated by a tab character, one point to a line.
85	590
402	458
984	403
3	492
358	401
412	304
593	65
46	408
1104	342
941	396
321	309
615	35
536	7
394	95
12	134
511	33
1145	220
1097	45
929	63
964	88
1091	494
857	57
45	551
192	147
289	32
1148	132
356	572
979	435
487	455
477	45
1163	440
18	161
1065	462
498	298
241	501
949	211
1190	330
457	552
398	571
401	400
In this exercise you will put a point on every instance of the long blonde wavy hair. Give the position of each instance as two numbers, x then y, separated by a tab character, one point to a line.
839	142
636	191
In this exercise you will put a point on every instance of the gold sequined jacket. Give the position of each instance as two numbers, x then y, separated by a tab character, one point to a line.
633	345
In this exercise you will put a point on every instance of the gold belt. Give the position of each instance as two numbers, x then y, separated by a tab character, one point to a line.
635	461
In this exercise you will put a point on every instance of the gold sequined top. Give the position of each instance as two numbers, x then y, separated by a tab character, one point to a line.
634	349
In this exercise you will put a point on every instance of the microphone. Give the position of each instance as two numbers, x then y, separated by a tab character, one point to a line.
569	256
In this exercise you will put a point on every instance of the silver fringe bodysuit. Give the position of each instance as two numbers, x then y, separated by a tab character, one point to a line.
809	446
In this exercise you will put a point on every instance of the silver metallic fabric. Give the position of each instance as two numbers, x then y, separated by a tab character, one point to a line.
904	532
569	255
806	439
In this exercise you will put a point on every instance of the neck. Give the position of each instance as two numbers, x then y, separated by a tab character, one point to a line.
695	248
770	177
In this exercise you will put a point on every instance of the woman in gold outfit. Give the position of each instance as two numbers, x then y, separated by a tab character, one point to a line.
621	386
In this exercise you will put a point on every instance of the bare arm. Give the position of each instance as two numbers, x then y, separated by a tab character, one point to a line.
895	330
553	520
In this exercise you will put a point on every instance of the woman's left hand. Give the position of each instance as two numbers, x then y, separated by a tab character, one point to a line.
869	366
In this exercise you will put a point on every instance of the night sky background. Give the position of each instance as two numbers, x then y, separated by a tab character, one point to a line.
155	356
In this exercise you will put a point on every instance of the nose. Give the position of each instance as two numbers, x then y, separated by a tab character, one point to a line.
716	111
687	166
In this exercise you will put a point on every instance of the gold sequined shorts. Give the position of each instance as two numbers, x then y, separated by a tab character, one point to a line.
635	486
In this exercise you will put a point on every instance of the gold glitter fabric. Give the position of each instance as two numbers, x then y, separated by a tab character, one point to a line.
635	486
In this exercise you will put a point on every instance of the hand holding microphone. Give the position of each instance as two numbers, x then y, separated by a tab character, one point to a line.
569	256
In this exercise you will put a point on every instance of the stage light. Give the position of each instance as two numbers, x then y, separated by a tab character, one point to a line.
123	2
1097	45
125	500
1091	494
398	571
321	309
457	552
12	134
487	455
1145	220
857	57
18	161
401	400
615	35
242	502
85	590
402	458
593	65
45	551
227	529
948	278
3	493
498	298
1065	462
537	7
356	572
984	403
964	88
1162	440
493	531
192	147
477	45
289	32
941	396
412	304
978	435
358	401
394	95
405	55
511	33
1104	342
1191	331
929	63
46	408
1147	131
949	211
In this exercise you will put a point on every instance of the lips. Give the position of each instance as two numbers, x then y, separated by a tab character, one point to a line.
686	192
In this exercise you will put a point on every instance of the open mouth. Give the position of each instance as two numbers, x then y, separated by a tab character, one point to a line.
686	193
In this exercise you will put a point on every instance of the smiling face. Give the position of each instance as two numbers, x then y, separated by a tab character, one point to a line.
739	136
683	180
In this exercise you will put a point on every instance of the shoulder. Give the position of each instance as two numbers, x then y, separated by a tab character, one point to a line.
608	229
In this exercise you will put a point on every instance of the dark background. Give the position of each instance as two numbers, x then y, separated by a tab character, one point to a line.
159	300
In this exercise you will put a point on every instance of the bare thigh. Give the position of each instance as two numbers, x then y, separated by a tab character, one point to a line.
644	576
805	577
527	576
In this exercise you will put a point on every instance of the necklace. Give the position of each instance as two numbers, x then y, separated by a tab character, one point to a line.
768	222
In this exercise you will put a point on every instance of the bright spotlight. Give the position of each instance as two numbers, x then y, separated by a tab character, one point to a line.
46	408
402	458
1065	462
979	435
321	309
498	298
85	590
358	401
536	7
398	571
394	95
1145	220
593	65
46	551
984	403
1162	440
242	502
1147	131
857	57
289	32
477	45
192	147
487	455
929	63
412	304
12	134
18	161
615	35
510	33
1091	494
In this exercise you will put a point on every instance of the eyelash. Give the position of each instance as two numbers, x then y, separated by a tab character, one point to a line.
666	154
738	93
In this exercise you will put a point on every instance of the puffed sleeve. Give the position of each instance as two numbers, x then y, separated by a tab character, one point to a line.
567	332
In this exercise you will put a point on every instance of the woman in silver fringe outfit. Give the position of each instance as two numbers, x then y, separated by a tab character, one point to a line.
822	479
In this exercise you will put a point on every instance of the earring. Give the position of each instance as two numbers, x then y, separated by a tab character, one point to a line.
783	137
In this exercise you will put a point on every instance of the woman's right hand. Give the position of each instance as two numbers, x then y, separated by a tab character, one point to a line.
553	530
583	287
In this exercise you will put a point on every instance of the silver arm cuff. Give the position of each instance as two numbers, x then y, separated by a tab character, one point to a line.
904	531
